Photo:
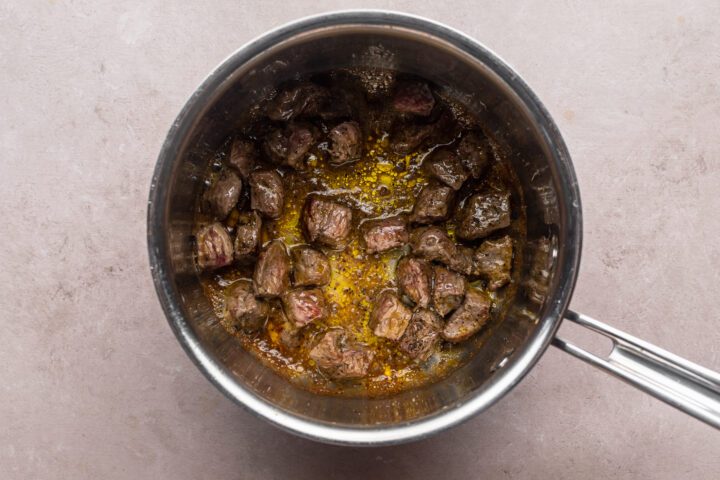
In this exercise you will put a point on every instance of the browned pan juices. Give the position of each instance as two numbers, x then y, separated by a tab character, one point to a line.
383	183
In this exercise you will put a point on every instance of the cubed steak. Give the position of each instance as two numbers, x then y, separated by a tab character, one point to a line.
385	234
304	306
390	317
414	277
414	98
272	271
494	260
483	214
214	247
339	358
448	291
290	336
243	310
304	99
433	243
474	153
223	195
346	142
407	137
432	204
289	145
467	320
326	222
243	157
310	267
422	334
463	261
445	165
248	235
266	193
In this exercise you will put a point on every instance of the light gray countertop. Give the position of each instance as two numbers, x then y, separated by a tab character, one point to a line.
94	385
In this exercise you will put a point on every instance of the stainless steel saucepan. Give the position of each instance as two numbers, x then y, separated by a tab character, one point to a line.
463	69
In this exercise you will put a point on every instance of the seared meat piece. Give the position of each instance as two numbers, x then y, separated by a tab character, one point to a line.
289	145
334	355
243	156
347	102
483	214
463	262
290	336
449	290
214	247
494	260
445	165
474	153
310	267
407	137
432	243
432	205
266	193
385	234
224	194
414	277
422	334
326	222
272	271
306	99
304	306
243	310
415	98
248	234
345	143
469	318
389	317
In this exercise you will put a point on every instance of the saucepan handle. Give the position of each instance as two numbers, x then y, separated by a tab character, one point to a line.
678	382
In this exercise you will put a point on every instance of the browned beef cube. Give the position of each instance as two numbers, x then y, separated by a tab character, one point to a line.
494	260
445	165
266	193
414	277
243	310
243	157
422	334
289	145
469	318
414	98
408	137
432	243
248	234
385	234
432	205
474	153
346	102
214	247
389	317
346	143
463	261
304	306
449	290
337	357
310	267
290	336
326	222
272	271
304	99
483	214
224	194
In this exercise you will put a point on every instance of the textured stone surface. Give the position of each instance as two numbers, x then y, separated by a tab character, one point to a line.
93	383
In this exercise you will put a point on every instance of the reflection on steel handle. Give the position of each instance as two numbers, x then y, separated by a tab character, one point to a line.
689	387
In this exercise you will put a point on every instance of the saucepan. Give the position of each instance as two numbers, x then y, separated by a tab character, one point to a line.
469	72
